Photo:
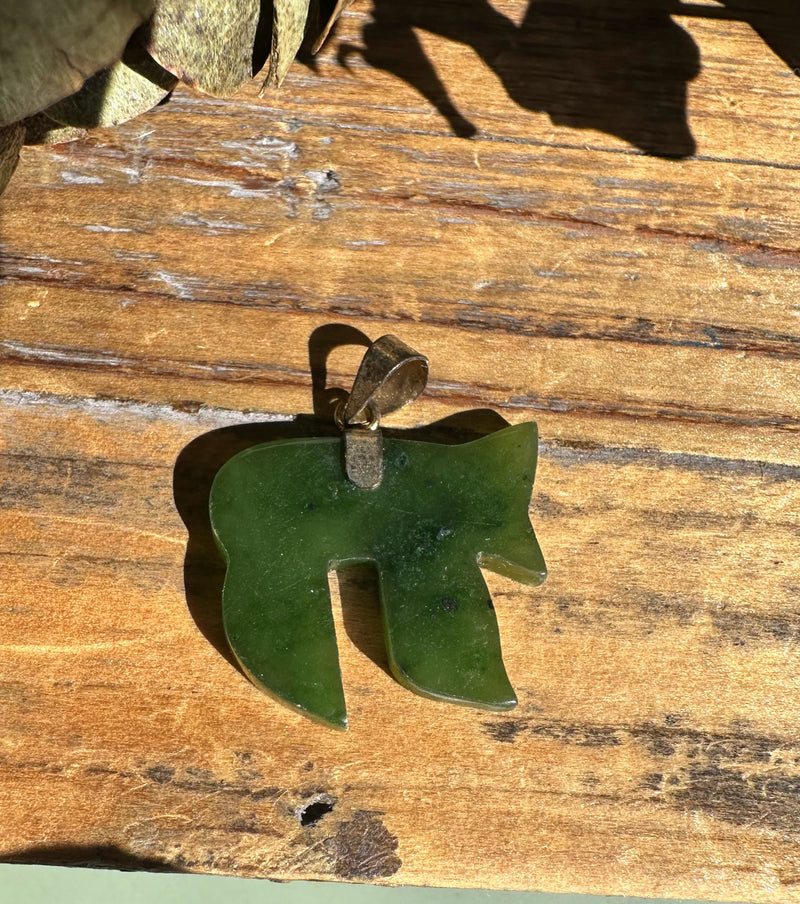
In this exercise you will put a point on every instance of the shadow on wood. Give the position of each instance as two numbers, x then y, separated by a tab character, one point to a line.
777	22
621	68
104	856
618	66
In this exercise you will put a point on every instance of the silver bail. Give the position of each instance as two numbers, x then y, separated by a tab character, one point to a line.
391	374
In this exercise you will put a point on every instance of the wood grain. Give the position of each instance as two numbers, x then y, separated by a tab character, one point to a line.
159	284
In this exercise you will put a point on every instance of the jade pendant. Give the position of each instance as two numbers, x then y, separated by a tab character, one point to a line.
286	513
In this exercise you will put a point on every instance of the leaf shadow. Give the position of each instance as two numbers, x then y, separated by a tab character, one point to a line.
621	67
777	22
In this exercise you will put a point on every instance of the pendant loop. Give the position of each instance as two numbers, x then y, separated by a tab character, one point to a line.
391	375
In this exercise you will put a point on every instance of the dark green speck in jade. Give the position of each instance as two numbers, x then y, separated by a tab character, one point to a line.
284	515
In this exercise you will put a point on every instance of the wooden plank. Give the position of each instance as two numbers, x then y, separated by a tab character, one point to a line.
160	281
643	692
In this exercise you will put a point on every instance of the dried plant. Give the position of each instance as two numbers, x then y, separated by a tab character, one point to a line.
70	65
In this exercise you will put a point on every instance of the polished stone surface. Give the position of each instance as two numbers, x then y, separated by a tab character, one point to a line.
284	515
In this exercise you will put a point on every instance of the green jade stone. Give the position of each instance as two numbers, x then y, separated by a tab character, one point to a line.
284	515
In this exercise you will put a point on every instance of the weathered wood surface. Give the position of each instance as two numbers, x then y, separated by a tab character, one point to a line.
161	280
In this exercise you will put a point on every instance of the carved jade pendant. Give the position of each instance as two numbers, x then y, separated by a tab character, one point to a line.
286	513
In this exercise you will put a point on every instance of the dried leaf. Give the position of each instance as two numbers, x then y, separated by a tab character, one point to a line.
288	30
48	48
40	129
206	43
341	6
128	88
11	139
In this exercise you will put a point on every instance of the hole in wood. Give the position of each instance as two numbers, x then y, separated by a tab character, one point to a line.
313	812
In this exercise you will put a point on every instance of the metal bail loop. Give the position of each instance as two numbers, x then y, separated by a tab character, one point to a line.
391	375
